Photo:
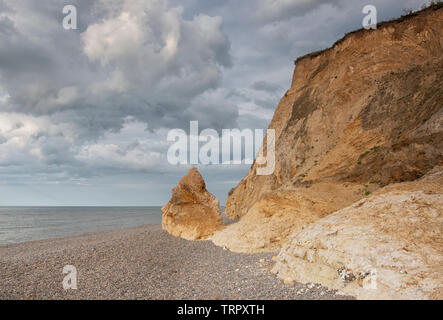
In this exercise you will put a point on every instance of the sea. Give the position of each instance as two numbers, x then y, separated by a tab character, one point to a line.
20	224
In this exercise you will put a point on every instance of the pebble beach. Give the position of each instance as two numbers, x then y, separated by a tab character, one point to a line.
142	263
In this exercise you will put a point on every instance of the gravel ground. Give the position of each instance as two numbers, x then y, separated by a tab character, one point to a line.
142	263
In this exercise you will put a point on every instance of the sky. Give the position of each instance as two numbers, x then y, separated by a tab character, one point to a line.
85	113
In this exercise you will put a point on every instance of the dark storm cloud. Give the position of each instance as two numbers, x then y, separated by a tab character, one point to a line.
3	6
94	105
146	76
265	86
271	10
6	26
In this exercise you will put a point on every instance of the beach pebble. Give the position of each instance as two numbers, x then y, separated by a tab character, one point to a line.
141	263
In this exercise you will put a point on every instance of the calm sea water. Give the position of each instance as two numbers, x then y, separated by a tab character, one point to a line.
19	224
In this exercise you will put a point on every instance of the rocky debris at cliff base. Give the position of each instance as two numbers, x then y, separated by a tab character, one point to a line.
277	214
387	246
192	213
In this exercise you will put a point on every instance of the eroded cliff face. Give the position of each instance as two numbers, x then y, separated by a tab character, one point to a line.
358	116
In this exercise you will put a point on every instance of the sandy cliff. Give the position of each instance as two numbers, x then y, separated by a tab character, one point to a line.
357	189
359	116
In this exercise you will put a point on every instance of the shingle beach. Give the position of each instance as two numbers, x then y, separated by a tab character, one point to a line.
142	263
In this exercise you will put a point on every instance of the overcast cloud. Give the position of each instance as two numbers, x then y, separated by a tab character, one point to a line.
84	114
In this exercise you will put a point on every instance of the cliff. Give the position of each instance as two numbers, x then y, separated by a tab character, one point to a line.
358	116
359	155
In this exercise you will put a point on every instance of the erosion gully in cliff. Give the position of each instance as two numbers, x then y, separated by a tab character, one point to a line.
355	202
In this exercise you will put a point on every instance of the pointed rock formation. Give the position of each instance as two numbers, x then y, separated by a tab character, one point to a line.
192	212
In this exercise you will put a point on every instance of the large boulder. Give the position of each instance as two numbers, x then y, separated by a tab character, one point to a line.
192	212
386	246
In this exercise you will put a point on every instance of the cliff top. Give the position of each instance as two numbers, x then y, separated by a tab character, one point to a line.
380	25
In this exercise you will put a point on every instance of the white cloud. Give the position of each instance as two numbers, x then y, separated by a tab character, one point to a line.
25	139
113	38
114	156
4	97
133	148
149	47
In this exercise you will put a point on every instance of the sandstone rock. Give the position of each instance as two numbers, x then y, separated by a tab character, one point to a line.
288	282
192	212
366	112
388	246
270	221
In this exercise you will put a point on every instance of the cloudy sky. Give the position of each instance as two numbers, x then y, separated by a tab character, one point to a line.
84	114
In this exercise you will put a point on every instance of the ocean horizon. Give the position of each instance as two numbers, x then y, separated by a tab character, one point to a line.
28	223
